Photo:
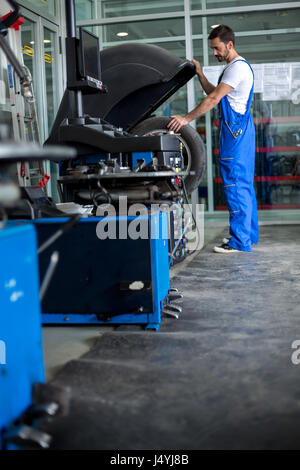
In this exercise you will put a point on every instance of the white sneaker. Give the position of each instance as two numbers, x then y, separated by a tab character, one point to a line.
225	249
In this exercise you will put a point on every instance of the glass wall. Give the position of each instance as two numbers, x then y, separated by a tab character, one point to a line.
266	35
51	74
257	21
277	117
196	4
84	10
139	31
47	8
123	8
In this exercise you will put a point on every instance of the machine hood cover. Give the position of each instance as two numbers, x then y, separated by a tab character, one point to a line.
139	77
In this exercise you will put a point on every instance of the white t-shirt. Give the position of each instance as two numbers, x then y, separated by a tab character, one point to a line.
240	77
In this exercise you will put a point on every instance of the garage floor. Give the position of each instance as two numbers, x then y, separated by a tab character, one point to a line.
219	377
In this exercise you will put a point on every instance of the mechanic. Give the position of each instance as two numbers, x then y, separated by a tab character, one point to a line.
233	94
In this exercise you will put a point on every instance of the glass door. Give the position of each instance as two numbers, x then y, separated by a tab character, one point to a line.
29	51
51	76
52	83
40	48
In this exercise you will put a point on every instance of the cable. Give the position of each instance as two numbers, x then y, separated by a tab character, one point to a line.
49	273
64	228
32	215
191	209
187	200
176	245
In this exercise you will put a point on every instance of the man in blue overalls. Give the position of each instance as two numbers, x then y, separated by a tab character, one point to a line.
233	94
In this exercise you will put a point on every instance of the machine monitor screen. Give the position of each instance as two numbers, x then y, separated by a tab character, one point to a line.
90	51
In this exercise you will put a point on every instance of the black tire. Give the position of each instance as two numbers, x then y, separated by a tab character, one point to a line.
195	155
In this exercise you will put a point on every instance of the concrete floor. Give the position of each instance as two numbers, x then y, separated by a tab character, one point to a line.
220	377
63	343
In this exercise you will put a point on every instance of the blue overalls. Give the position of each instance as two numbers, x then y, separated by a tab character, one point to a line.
237	161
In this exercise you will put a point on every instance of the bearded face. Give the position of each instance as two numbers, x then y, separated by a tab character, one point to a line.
224	55
221	50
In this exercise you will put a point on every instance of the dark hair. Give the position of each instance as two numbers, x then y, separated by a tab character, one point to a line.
224	33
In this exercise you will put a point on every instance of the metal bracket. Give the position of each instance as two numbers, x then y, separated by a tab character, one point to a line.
24	436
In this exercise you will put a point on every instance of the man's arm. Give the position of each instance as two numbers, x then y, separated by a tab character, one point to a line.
206	85
206	105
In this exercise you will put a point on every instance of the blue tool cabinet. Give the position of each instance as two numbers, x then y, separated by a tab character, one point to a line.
93	279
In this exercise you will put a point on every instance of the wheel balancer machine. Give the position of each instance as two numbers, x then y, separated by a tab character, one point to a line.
113	280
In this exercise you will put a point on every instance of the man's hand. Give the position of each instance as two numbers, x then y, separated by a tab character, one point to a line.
177	122
206	85
198	67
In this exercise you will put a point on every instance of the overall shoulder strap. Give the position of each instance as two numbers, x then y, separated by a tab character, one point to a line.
243	60
234	62
251	91
248	106
238	60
